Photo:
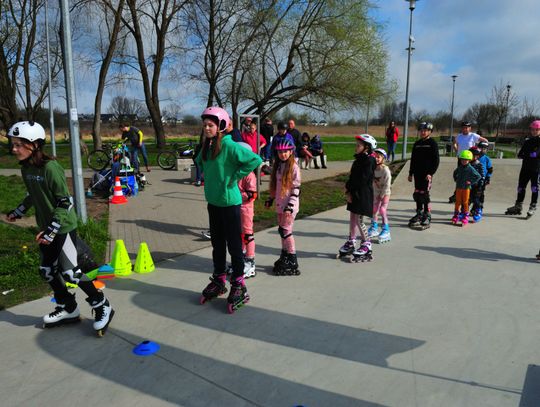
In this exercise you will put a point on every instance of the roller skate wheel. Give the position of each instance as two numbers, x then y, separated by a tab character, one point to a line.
101	333
202	299
230	308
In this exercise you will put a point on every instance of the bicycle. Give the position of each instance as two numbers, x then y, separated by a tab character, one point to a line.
99	159
167	159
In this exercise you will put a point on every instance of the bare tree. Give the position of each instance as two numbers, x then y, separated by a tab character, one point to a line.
262	56
503	100
125	108
109	39
152	23
23	76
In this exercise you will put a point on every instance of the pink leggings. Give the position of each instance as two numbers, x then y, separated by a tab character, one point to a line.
380	204
285	230
248	240
357	227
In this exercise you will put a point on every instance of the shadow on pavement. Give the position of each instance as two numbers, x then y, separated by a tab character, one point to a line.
477	254
182	377
322	337
530	395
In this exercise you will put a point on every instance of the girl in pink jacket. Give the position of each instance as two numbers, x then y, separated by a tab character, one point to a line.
285	190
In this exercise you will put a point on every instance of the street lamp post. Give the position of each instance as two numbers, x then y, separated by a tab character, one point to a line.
412	6
508	87
49	81
452	108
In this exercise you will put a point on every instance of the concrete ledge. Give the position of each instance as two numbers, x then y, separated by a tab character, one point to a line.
183	164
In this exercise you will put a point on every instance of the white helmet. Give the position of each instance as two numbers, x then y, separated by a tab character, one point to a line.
366	138
30	131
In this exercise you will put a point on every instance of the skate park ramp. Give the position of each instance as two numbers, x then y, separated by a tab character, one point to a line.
442	317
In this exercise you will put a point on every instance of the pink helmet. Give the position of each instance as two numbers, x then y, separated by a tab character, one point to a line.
535	125
218	114
283	145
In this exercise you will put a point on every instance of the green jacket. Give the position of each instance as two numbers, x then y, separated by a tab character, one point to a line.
465	173
221	175
49	195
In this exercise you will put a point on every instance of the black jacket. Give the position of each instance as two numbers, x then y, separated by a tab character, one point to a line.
424	157
360	185
530	154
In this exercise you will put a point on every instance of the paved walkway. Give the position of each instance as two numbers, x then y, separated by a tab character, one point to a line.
444	317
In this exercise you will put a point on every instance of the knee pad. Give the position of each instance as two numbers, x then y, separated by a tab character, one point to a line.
534	189
248	238
282	233
47	273
417	197
72	276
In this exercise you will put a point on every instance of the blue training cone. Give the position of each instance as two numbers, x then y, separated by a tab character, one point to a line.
146	348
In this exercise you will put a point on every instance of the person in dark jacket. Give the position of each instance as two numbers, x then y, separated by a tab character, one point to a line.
267	131
424	164
530	154
316	148
359	193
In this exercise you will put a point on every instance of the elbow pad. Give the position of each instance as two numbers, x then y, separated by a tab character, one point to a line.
66	202
51	231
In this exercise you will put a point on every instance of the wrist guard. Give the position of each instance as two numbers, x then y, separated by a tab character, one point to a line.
18	212
51	231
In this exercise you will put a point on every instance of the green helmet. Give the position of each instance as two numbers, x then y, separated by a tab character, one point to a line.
466	155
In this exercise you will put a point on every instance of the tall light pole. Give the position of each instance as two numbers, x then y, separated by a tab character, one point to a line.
452	108
73	116
412	6
49	80
508	87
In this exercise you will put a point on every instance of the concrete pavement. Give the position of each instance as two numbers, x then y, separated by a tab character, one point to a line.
444	317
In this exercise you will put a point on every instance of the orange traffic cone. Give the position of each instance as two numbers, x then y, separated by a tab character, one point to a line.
118	196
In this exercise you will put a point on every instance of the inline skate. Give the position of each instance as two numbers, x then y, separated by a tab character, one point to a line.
455	218
66	312
214	289
103	314
289	267
249	267
364	253
531	211
373	230
384	236
416	220
515	210
347	249
237	298
464	219
426	221
477	215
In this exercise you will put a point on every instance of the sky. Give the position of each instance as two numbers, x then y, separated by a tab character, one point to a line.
484	42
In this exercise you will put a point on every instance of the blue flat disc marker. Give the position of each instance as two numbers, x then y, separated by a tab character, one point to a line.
146	348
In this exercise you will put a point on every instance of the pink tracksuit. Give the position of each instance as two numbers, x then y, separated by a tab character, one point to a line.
291	200
382	180
248	189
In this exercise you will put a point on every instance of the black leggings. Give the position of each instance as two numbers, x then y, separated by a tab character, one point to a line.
526	175
226	232
58	265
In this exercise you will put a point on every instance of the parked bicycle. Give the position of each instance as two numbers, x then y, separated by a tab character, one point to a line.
100	159
167	159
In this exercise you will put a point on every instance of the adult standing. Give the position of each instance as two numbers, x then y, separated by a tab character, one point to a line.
135	136
392	135
296	135
267	131
463	141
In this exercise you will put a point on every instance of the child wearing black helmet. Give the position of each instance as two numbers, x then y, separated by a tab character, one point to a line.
359	193
424	164
530	156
